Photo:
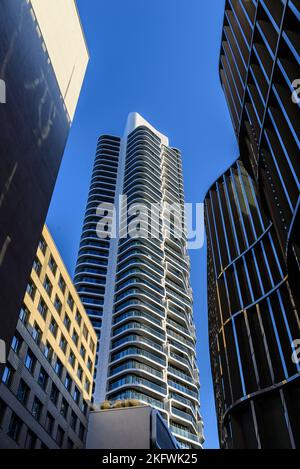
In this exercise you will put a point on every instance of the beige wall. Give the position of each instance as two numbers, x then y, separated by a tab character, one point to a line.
63	35
88	341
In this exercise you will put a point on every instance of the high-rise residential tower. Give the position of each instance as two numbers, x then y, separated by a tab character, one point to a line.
43	58
252	221
136	287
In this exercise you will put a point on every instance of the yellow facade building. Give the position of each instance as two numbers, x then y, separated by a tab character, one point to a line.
75	341
51	362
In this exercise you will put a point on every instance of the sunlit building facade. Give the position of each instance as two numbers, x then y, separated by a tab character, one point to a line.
46	388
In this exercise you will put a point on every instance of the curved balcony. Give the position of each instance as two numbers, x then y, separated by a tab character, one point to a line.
188	392
137	352
142	316
132	380
129	394
133	365
137	326
136	339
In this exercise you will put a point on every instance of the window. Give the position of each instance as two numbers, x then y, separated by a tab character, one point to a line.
82	352
68	382
81	432
89	364
52	264
3	408
42	308
53	328
58	367
16	343
62	284
75	337
7	376
36	333
60	436
48	352
24	315
70	302
87	386
84	408
72	359
78	318
92	346
31	290
79	372
73	421
23	392
37	408
14	428
43	245
85	332
37	266
70	444
67	322
43	446
54	394
76	395
30	440
57	304
49	423
64	408
63	344
30	361
43	378
48	286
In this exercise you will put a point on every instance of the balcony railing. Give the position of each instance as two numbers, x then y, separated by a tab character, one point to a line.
131	379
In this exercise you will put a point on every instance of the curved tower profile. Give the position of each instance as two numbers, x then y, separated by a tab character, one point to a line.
252	222
135	285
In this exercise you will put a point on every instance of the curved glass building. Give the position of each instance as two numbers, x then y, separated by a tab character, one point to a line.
252	221
135	284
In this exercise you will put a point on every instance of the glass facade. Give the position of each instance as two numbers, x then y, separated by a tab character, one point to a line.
252	222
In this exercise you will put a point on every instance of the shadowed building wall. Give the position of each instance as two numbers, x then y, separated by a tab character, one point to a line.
41	97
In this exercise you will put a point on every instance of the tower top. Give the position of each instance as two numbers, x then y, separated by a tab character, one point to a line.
135	120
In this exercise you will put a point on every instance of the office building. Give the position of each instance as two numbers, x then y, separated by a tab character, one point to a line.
43	58
46	386
252	221
136	289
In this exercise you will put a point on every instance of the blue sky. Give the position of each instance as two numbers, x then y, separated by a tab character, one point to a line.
159	58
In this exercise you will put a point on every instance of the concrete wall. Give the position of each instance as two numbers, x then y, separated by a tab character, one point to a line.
128	428
62	32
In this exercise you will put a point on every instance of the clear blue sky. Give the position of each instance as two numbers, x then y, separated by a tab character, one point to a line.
159	58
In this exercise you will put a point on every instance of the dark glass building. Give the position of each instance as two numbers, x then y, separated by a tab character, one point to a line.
41	94
252	221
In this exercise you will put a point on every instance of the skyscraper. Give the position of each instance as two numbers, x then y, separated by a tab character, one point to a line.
43	58
136	289
252	221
